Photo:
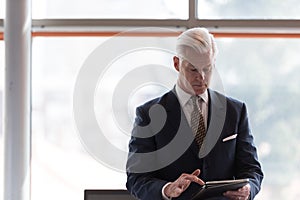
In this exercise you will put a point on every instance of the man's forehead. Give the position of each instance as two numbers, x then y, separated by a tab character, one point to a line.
197	59
197	65
198	62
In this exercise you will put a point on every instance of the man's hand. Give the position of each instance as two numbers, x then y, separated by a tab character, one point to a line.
240	194
175	188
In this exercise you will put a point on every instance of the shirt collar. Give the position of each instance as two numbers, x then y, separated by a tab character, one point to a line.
185	97
204	97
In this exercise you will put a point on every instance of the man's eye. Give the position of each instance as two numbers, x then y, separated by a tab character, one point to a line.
206	70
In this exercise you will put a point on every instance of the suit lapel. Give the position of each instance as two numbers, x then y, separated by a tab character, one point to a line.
217	114
173	109
177	116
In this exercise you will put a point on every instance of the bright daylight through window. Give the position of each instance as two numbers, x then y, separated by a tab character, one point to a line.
58	154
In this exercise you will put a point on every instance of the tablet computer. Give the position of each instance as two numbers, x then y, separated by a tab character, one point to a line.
217	188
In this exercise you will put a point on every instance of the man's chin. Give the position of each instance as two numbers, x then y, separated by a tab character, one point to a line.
199	90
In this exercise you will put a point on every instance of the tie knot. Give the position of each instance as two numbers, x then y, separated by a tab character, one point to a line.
194	100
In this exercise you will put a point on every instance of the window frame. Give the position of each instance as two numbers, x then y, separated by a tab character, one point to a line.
110	27
219	27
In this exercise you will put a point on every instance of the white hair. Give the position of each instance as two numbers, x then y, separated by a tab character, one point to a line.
196	42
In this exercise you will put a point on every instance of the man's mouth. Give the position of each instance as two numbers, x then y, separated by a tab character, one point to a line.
200	85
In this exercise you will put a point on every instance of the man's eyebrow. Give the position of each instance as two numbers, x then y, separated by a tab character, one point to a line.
190	65
206	66
196	67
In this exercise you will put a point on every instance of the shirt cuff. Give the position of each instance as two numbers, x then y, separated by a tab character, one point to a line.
163	193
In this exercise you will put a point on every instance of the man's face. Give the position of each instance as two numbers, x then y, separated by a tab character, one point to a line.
193	79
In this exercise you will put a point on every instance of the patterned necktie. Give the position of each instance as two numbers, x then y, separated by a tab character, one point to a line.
197	122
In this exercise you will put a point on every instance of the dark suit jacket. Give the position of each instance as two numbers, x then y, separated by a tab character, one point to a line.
162	147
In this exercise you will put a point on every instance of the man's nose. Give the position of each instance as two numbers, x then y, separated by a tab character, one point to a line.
200	74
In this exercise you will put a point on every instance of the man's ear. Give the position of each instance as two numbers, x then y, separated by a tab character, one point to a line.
176	63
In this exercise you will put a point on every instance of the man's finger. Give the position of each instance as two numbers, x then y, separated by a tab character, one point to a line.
196	172
194	178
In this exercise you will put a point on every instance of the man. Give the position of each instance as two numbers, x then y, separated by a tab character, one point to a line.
171	159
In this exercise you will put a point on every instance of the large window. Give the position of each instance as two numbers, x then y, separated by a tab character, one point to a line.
264	74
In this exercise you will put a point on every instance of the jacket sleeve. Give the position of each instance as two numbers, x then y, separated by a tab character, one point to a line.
247	163
141	182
